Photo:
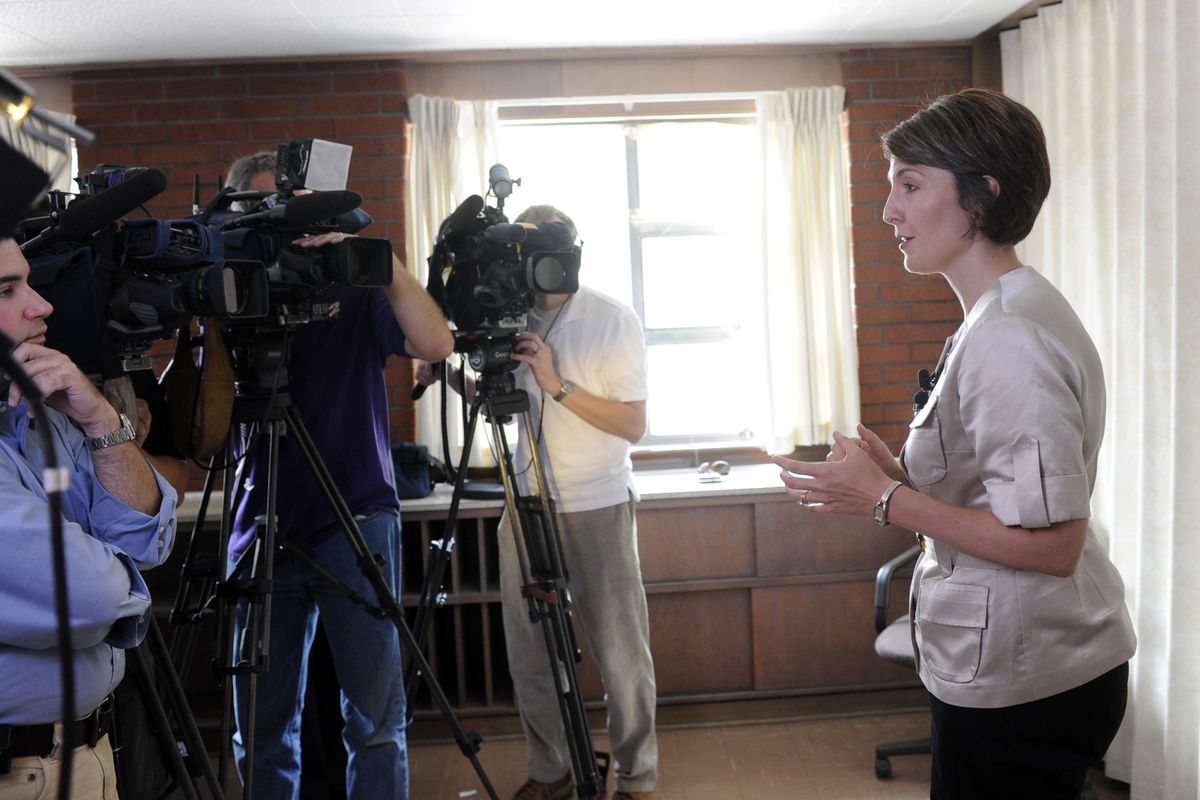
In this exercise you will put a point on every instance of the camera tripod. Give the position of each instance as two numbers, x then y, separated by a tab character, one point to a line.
250	580
543	574
152	672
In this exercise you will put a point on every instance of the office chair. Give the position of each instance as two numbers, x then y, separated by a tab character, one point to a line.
894	642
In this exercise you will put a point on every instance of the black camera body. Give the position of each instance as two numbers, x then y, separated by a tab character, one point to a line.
485	271
148	278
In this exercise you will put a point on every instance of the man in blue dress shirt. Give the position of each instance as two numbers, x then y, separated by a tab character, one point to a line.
118	517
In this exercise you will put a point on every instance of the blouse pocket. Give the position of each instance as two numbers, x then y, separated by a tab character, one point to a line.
924	458
951	618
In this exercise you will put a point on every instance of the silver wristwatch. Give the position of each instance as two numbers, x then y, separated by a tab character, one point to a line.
123	434
567	388
880	514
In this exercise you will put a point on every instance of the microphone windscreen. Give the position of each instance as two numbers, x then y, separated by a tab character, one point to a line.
89	214
461	218
507	232
307	209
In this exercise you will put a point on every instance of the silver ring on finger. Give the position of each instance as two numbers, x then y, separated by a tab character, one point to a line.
804	497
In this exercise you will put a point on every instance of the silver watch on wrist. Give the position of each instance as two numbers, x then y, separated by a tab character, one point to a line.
880	514
567	388
125	433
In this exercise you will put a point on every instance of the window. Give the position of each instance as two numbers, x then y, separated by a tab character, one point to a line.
669	213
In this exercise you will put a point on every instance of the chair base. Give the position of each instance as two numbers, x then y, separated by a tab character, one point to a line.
883	766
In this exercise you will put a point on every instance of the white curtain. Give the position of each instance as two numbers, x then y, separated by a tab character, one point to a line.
1116	84
453	145
811	351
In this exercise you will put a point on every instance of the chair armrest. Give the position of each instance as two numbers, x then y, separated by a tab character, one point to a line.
883	584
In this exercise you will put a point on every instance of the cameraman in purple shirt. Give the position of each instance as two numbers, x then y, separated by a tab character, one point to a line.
118	517
337	384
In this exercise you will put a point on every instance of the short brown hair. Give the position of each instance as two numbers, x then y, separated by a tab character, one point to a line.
974	133
536	215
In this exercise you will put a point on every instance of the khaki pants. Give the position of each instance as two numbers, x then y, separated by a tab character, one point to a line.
605	581
93	774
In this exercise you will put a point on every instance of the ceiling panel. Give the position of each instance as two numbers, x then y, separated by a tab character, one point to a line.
63	32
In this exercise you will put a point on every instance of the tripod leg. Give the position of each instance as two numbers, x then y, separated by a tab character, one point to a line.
190	732
439	558
468	744
543	585
158	714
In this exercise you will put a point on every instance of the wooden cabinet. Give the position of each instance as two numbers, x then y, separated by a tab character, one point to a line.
749	595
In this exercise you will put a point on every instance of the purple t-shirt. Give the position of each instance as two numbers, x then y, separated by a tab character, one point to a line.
338	389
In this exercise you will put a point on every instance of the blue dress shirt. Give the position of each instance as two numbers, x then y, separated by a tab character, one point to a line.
107	542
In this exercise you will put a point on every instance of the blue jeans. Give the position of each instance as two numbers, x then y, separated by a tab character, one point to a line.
366	656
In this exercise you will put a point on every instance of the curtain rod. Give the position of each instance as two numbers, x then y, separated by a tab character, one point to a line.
629	100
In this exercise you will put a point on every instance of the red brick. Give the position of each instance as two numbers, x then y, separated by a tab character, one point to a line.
872	415
131	134
126	91
206	88
282	130
865	151
373	82
926	354
393	103
883	354
208	131
877	112
885	393
859	91
868	334
165	72
82	92
91	155
880	314
866	232
936	68
176	154
877	274
259	109
863	212
899	373
900	414
864	254
870	190
927	332
89	115
341	104
863	70
937	312
174	111
300	85
390	167
921	90
259	68
866	295
394	145
912	291
366	126
868	375
901	53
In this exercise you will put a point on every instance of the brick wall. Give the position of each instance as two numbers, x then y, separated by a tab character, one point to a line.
902	320
196	120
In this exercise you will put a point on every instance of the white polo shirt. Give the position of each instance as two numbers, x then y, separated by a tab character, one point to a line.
597	343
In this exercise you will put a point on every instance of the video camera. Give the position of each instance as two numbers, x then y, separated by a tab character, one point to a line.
484	271
233	261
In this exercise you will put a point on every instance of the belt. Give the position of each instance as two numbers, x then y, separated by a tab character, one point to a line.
17	741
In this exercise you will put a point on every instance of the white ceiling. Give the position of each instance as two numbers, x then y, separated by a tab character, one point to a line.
51	33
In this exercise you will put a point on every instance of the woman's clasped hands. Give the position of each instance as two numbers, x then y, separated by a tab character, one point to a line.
853	476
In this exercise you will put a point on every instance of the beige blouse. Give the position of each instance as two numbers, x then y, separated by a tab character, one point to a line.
1014	425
